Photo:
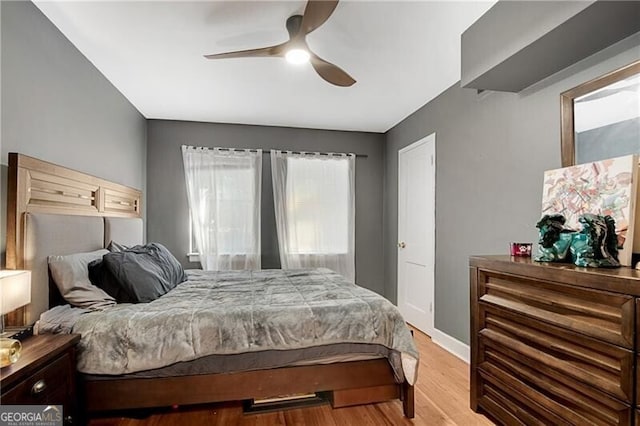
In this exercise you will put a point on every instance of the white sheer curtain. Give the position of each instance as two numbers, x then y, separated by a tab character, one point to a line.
314	197
223	188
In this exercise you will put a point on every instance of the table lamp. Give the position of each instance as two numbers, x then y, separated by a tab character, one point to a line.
15	292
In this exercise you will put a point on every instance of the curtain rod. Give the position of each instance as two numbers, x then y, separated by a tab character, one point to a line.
321	153
293	152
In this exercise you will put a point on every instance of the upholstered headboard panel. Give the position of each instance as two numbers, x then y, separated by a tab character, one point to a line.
55	234
123	231
52	234
53	210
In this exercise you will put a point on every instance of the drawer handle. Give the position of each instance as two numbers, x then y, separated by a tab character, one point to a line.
38	387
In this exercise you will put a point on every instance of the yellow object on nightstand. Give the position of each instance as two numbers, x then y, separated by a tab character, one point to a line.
9	351
15	292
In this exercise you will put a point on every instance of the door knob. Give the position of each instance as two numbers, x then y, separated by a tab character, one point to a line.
402	244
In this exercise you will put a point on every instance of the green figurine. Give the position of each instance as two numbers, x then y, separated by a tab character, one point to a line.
596	245
555	239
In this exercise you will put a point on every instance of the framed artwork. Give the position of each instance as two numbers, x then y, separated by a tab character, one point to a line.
606	187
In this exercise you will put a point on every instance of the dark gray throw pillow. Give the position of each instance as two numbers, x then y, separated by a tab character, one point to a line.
142	273
101	277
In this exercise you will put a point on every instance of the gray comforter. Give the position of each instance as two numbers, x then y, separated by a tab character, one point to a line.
241	311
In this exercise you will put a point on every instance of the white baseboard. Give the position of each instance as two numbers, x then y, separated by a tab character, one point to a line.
453	345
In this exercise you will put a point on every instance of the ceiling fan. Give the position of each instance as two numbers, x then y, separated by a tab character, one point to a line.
296	50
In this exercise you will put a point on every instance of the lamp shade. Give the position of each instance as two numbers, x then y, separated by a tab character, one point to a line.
15	290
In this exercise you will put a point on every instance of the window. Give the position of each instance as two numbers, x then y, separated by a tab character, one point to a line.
315	210
317	203
223	189
232	200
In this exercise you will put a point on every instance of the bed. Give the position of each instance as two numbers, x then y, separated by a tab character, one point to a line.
53	210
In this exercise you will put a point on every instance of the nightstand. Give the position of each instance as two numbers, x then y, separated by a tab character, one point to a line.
45	374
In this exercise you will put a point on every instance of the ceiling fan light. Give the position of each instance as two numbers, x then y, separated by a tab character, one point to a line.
297	56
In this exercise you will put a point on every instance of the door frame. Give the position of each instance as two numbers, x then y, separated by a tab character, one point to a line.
429	139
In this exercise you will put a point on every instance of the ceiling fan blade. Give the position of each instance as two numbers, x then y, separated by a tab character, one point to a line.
316	13
331	73
277	50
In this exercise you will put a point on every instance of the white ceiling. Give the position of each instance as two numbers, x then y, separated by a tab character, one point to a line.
402	54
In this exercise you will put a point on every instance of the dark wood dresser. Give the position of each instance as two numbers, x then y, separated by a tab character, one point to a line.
45	374
554	343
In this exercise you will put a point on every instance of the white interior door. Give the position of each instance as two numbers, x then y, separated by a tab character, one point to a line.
416	232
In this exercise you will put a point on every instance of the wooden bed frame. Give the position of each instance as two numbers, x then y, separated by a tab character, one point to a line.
41	187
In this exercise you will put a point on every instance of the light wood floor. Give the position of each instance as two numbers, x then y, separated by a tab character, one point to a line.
441	398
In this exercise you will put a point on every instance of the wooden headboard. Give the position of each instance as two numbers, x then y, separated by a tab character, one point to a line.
36	186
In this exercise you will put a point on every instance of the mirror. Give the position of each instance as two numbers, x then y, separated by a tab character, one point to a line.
601	118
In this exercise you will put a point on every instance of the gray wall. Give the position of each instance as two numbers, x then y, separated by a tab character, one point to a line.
167	220
617	139
56	106
491	151
518	43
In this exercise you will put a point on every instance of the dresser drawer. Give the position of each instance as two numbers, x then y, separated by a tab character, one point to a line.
600	314
49	385
638	382
513	402
571	361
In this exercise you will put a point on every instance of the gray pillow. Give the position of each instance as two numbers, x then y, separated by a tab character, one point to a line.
71	275
101	277
116	247
142	273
